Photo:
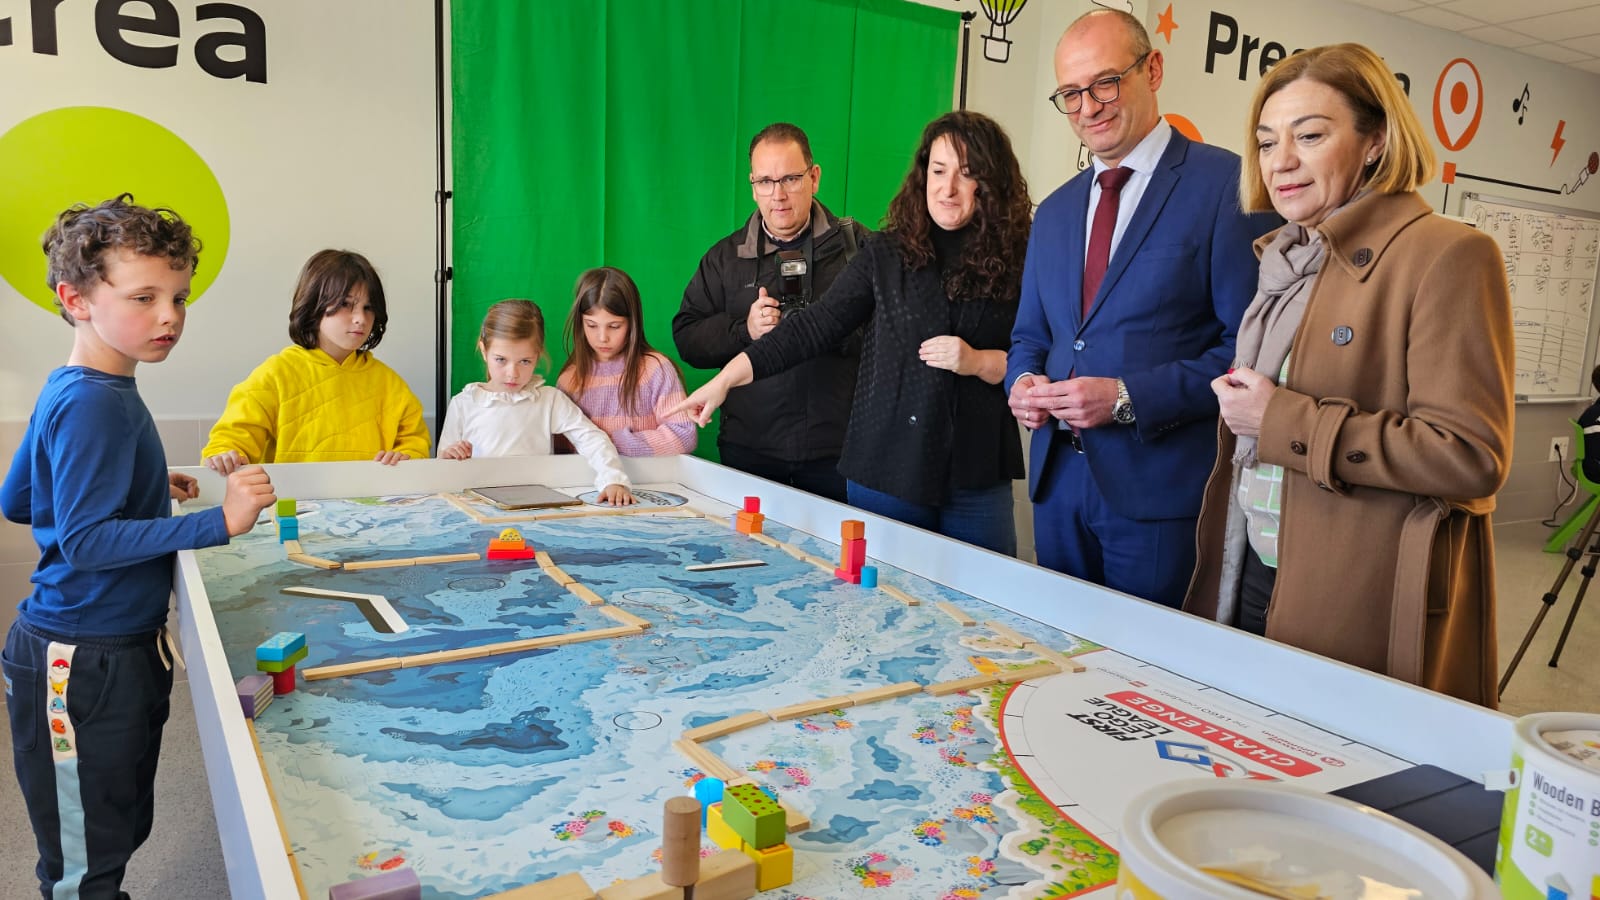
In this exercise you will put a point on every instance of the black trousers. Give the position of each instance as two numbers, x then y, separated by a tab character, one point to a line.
86	720
818	476
1255	592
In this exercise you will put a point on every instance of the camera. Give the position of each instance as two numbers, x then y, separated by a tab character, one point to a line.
792	296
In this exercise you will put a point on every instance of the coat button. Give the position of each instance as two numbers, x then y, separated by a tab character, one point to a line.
1362	256
1298	448
1077	345
912	420
1356	456
1343	335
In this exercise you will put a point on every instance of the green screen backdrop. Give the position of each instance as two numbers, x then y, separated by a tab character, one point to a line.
616	132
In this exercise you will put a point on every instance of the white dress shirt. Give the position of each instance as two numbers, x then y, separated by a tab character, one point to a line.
1142	160
502	423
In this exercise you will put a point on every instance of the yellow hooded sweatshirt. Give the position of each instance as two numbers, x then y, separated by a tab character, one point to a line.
301	406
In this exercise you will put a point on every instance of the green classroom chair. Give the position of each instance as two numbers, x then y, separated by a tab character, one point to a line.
1572	526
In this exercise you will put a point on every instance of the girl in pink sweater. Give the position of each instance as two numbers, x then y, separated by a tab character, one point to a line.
619	381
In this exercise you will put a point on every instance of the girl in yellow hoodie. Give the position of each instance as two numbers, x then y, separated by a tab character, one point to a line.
326	398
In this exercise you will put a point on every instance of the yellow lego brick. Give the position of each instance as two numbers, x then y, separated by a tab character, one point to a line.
718	830
774	865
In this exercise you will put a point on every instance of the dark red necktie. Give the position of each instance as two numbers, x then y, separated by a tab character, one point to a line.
1105	222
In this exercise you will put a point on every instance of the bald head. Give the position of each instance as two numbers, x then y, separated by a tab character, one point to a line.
1103	24
1106	58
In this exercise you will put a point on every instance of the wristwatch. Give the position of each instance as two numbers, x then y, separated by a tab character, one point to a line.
1122	412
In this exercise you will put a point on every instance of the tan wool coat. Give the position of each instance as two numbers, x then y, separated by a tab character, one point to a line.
1394	430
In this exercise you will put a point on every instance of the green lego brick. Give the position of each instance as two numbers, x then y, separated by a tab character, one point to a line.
282	665
286	507
755	817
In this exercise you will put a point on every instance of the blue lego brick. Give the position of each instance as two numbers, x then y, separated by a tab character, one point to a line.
280	645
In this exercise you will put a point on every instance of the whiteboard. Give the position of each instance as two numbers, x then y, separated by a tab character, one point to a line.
1551	259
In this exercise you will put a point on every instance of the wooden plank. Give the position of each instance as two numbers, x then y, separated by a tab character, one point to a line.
725	564
445	558
461	653
766	539
1027	673
560	576
363	564
1009	636
292	546
340	670
873	695
794	820
543	559
898	594
976	682
623	616
591	513
588	596
792	550
957	613
705	760
464	507
1067	663
317	562
810	708
725	727
825	565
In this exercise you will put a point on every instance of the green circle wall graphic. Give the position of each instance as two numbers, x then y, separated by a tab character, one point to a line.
86	154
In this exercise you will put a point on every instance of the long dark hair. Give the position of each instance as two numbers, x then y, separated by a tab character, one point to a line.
611	290
326	280
991	265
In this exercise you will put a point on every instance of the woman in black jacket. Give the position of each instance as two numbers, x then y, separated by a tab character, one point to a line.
931	441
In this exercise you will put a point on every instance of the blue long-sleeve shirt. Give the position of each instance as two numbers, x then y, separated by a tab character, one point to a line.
91	478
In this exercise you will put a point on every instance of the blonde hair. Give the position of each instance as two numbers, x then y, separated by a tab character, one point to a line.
512	320
1366	84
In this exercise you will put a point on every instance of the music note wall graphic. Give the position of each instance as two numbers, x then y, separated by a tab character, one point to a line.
1520	105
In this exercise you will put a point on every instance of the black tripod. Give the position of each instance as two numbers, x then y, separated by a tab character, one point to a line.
1575	551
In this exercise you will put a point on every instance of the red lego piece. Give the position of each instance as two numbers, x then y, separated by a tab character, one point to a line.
854	555
852	577
283	682
752	504
525	553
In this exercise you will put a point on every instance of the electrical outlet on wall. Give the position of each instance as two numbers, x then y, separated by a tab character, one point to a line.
1561	449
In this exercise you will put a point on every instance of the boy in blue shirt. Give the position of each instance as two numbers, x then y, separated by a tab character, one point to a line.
88	663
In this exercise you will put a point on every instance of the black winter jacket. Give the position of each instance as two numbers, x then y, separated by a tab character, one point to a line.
800	415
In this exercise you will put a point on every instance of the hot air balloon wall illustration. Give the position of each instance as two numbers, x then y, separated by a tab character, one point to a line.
1000	13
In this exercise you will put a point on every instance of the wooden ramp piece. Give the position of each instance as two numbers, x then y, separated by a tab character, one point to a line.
957	613
873	695
973	683
809	708
315	562
725	727
705	760
588	596
769	541
900	595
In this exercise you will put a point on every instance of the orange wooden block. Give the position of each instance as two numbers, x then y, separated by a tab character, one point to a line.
852	529
498	544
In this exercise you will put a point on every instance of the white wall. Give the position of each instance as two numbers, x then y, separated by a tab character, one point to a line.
335	149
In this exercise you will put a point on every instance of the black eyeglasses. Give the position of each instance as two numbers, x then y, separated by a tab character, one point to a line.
765	186
1104	90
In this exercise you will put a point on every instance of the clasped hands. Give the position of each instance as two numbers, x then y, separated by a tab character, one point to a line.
1084	402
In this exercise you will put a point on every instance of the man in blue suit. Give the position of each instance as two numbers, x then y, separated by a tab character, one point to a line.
1117	385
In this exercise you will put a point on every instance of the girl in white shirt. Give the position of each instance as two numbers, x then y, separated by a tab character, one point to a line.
514	413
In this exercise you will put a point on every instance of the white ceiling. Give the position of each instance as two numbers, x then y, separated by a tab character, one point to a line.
1563	31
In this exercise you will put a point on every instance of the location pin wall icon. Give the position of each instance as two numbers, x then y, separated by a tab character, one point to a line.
1457	104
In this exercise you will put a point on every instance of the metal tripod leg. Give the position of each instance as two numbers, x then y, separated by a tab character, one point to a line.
1588	571
1575	552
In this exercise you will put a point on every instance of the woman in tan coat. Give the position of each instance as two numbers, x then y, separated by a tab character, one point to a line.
1367	424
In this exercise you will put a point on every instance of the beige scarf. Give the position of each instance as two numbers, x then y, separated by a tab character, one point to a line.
1289	267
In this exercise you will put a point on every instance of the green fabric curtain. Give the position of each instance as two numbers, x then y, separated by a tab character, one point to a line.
616	132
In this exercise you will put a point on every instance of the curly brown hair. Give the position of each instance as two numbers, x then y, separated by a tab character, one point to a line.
325	282
991	265
77	242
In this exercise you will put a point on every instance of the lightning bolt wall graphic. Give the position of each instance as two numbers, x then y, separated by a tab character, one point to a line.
1557	142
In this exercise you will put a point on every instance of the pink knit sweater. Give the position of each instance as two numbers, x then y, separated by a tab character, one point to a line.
646	433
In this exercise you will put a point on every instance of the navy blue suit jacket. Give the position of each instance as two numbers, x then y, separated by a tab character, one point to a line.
1164	322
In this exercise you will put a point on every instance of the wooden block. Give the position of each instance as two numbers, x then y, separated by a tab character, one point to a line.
767	539
957	613
873	695
361	564
353	668
825	565
852	529
464	507
647	887
588	596
724	727
727	875
725	564
316	562
445	558
809	708
559	576
1009	636
1067	663
543	559
792	550
797	820
976	682
680	841
570	886
1026	673
292	546
623	616
898	594
705	760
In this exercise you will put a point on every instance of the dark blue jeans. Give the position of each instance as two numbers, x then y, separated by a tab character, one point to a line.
981	516
86	719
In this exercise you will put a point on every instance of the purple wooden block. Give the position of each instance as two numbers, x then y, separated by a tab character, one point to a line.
401	884
250	690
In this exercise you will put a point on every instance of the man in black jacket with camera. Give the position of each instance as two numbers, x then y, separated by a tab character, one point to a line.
788	428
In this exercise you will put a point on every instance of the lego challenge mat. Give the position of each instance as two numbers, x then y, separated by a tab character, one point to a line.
490	773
